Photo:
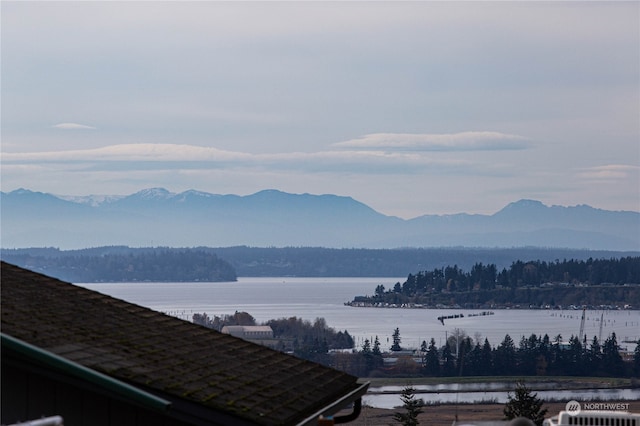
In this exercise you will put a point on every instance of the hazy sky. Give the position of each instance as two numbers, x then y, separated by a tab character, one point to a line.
412	108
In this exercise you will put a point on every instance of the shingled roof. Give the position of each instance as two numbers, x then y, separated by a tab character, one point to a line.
190	365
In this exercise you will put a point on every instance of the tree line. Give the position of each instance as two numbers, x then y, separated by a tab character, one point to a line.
305	339
620	271
533	356
154	265
330	262
536	355
533	282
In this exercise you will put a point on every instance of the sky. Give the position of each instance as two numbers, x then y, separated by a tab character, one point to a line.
411	108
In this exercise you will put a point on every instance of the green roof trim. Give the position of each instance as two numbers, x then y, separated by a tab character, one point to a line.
124	390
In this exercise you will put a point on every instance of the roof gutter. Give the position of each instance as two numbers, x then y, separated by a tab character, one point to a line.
354	396
123	390
46	421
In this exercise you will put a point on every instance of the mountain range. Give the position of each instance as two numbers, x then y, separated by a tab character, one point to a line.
271	218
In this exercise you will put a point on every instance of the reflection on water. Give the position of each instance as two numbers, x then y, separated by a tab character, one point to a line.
390	401
463	387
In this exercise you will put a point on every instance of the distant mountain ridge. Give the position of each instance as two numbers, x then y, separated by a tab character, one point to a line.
271	218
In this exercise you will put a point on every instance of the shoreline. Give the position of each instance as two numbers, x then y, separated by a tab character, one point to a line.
566	382
486	309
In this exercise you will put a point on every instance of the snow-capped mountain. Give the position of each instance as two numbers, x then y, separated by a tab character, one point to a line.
158	217
90	200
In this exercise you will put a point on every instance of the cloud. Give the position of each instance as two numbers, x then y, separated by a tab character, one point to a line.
72	126
609	172
180	156
465	141
130	153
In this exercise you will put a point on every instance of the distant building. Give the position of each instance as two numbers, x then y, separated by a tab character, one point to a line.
249	332
258	334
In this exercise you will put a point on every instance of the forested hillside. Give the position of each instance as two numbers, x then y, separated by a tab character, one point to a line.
536	283
161	265
312	261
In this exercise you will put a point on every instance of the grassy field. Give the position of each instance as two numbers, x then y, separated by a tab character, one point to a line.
442	415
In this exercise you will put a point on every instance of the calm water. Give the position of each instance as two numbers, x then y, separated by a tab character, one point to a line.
393	400
310	298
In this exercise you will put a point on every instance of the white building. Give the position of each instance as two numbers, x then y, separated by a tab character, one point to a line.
249	332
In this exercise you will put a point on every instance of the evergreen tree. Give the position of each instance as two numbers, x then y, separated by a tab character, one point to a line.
524	404
448	365
423	354
527	355
473	362
432	360
376	347
396	340
544	356
505	356
594	357
463	353
574	356
378	361
611	359
486	359
412	406
558	358
367	354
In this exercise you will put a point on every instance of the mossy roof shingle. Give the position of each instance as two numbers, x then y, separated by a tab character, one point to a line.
159	352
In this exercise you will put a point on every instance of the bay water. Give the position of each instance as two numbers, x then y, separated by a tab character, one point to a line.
268	298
